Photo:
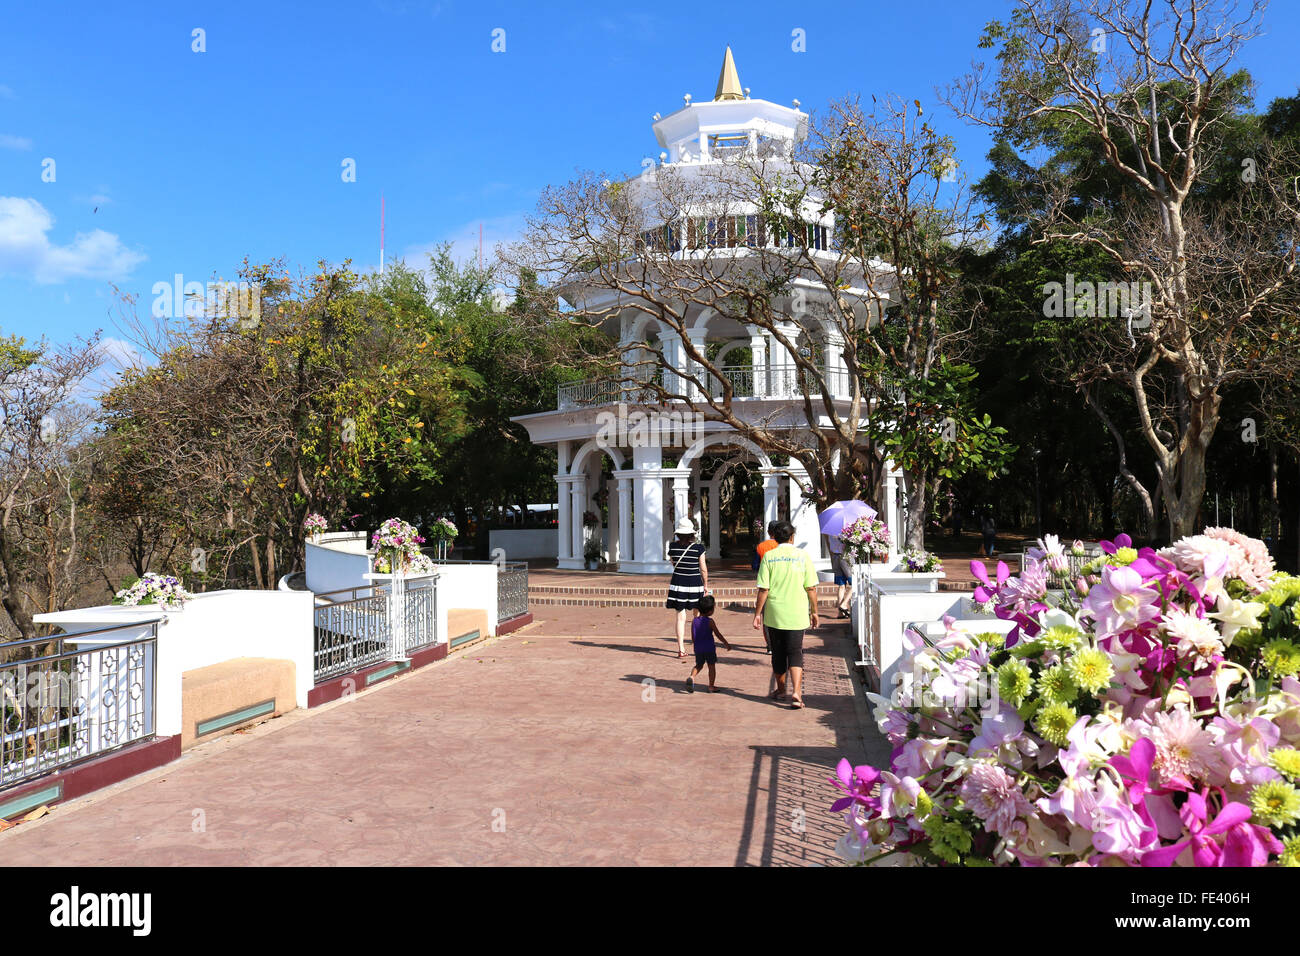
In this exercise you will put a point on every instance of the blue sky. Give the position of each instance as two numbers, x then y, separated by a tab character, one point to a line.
196	160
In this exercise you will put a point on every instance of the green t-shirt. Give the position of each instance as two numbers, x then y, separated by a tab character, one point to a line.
786	572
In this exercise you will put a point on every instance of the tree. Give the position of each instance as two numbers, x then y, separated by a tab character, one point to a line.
261	419
42	527
1150	84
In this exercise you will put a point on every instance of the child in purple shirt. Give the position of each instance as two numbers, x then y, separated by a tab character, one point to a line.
703	630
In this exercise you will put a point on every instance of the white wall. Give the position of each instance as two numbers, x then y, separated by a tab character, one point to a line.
337	563
215	626
466	586
521	543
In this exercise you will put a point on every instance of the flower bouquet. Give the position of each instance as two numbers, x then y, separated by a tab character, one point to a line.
161	589
1146	713
314	525
918	561
866	539
397	548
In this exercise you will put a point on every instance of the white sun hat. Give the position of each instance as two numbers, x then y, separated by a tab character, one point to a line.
685	526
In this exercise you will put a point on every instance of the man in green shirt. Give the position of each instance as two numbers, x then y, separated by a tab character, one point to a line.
787	604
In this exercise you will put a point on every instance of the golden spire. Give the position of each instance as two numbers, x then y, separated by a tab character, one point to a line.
728	81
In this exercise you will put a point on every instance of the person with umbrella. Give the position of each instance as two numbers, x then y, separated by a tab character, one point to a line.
832	522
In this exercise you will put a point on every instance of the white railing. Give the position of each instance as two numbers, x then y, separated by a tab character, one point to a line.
70	705
776	381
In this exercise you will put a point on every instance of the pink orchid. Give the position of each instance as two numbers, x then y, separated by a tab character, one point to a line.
1120	602
857	783
1205	850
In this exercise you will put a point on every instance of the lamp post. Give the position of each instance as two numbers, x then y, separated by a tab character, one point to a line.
1038	498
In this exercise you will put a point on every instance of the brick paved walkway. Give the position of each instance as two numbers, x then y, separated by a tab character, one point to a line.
571	741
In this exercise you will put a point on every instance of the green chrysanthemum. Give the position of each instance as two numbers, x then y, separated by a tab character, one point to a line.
1060	637
992	639
1124	556
1286	761
1014	682
1054	721
1056	685
1091	669
1290	852
1283	589
1281	657
1275	803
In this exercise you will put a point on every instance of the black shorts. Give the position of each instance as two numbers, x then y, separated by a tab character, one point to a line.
787	649
710	658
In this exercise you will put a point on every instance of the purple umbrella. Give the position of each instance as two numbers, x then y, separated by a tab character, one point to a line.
842	514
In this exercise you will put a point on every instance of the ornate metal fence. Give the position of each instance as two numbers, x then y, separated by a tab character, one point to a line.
512	590
421	617
352	630
68	706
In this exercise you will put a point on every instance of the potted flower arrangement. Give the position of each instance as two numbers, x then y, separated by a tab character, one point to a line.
918	561
397	547
592	553
1145	714
866	540
161	589
314	525
443	531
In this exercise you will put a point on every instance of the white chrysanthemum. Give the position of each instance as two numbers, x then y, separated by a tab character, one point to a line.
1196	638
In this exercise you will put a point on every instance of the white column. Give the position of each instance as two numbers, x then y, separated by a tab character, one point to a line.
649	503
785	379
715	521
758	360
681	496
771	491
697	337
670	344
836	371
890	512
803	515
577	507
563	526
625	552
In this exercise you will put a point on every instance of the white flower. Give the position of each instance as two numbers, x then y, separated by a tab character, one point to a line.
1196	638
1234	615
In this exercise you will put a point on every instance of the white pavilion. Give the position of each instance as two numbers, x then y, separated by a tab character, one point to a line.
645	497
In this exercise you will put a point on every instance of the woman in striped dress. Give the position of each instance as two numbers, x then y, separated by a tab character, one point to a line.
690	580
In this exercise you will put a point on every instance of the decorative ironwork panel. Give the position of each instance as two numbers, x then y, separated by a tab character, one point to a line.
63	707
512	590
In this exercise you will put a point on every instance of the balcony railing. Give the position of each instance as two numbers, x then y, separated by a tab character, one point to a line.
775	381
71	705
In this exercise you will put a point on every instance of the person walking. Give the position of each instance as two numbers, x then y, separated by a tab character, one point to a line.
843	574
989	530
703	630
690	580
787	605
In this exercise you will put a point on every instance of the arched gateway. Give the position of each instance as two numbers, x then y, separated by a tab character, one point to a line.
657	453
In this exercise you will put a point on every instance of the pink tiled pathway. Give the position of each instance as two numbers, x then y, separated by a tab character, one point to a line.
569	742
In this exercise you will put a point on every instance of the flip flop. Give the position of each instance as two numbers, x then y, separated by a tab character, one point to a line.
796	704
690	685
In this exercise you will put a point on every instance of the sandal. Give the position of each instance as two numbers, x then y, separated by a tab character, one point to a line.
796	703
690	685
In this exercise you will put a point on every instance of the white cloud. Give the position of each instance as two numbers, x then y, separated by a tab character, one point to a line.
26	249
8	141
118	355
464	241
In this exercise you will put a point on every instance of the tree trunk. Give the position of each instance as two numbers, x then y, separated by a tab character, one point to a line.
914	506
